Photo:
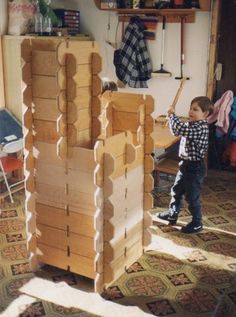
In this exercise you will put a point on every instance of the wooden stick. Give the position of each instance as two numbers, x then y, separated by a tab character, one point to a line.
177	95
178	92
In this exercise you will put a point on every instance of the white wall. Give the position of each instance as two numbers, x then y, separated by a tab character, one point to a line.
163	89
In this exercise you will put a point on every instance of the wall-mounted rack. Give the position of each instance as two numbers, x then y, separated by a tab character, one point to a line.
172	15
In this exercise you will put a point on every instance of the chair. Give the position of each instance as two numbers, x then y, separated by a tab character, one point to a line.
166	165
9	164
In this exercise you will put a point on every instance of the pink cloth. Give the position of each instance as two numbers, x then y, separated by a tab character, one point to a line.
222	108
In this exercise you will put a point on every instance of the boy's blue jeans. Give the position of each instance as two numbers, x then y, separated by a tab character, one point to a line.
188	183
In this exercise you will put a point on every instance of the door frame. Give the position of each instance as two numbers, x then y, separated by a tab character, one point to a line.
213	48
2	92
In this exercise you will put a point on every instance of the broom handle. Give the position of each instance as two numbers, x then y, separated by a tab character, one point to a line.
163	39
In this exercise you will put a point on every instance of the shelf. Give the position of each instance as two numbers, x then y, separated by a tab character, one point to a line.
204	6
172	15
154	11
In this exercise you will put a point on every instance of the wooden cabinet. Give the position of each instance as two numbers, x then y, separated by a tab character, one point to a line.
12	74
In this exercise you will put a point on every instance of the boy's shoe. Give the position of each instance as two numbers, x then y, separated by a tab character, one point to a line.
192	228
166	215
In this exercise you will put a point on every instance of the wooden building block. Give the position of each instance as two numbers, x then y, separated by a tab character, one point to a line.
45	131
60	258
78	244
44	63
115	268
65	220
46	109
47	153
88	163
116	248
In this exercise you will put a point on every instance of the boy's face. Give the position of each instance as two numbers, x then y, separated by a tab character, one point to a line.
195	113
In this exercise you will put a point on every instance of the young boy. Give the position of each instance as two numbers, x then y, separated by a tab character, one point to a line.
192	150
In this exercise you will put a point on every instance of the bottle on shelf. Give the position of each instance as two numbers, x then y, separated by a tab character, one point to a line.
47	25
38	20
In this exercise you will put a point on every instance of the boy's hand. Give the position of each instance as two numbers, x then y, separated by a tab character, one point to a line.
170	111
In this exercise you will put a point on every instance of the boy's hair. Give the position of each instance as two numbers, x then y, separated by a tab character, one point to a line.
109	85
204	103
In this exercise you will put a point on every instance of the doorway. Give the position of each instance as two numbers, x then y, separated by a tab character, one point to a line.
227	49
223	52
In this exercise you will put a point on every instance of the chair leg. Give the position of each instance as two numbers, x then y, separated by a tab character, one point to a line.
156	178
8	188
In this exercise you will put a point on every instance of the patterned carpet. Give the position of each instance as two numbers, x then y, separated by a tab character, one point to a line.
180	275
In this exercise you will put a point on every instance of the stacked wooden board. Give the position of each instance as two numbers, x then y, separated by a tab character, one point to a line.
87	163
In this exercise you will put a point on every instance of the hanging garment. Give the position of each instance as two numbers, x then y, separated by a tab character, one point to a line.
222	108
233	111
132	62
151	26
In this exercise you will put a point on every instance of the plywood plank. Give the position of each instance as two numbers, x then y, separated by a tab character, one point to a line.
83	76
82	265
121	101
116	268
45	87
96	63
46	131
148	183
44	63
80	181
46	109
116	248
61	239
75	263
79	138
149	104
45	44
116	228
81	50
84	120
47	153
114	145
148	201
81	202
96	85
131	181
50	174
149	124
148	163
124	121
81	159
26	74
51	195
116	205
149	144
52	237
82	98
57	196
65	220
28	119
